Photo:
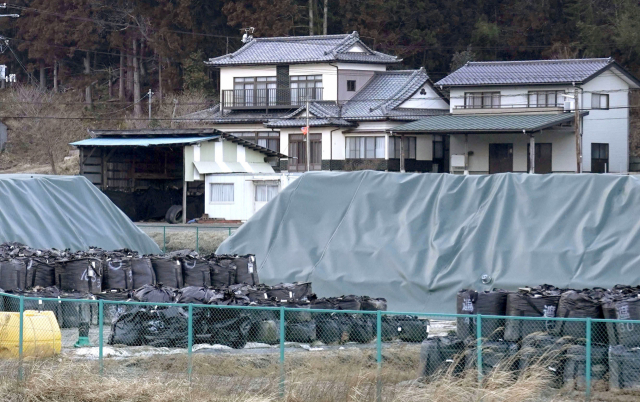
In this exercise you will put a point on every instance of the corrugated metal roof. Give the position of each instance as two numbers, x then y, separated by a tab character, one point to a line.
486	123
206	167
303	49
140	142
525	72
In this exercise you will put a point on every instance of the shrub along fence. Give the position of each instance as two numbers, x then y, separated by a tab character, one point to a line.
577	354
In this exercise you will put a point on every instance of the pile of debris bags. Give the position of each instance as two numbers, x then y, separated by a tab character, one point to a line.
560	346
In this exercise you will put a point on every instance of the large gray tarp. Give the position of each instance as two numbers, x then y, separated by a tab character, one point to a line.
65	212
416	239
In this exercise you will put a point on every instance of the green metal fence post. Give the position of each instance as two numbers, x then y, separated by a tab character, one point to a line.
587	374
479	346
379	355
282	329
100	335
197	239
164	239
20	340
190	342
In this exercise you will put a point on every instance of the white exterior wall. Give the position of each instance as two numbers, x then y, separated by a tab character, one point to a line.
244	204
329	77
227	74
430	100
363	67
563	151
607	126
516	96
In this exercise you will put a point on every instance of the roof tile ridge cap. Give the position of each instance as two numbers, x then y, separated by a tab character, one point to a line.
348	39
400	90
243	48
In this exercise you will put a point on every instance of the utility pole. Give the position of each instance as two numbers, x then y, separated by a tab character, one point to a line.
150	94
326	17
310	17
576	124
308	140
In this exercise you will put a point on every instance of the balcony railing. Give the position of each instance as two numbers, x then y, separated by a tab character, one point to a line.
271	98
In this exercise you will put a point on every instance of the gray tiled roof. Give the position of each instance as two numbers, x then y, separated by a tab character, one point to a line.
303	49
485	123
214	115
525	72
313	122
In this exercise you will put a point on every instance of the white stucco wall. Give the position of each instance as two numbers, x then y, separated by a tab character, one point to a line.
562	149
329	77
607	126
244	204
430	100
516	96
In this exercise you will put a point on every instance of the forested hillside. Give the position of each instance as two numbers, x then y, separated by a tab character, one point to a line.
106	54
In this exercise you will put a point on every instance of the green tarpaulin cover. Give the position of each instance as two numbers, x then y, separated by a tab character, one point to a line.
417	239
65	212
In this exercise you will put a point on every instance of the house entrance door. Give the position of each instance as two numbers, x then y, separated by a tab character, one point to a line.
500	158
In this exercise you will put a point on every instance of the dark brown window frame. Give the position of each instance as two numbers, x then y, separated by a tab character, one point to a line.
260	135
482	96
557	93
351	85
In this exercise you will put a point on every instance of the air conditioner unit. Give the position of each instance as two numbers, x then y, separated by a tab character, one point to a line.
458	163
569	106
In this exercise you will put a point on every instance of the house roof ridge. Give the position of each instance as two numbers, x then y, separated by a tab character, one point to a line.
539	61
303	38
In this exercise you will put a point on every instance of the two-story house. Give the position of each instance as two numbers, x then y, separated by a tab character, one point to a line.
499	110
270	85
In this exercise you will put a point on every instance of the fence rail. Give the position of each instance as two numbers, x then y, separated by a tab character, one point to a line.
205	239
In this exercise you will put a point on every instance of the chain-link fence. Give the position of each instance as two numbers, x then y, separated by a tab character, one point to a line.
305	350
203	239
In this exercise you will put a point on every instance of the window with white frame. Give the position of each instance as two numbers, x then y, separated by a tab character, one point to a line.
267	191
599	101
365	148
222	192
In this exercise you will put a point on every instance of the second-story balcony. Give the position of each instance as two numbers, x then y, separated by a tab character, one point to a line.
269	98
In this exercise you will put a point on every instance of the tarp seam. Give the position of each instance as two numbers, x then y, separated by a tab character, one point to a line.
337	227
266	257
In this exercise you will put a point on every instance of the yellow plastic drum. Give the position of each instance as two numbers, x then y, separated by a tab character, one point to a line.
41	335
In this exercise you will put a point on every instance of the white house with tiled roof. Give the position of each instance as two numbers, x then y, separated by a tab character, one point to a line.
499	109
353	100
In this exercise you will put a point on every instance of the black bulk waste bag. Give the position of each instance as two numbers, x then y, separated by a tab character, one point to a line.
628	333
526	305
13	275
117	274
82	275
261	314
609	313
301	332
486	303
370	304
303	315
575	304
223	272
544	350
495	354
440	353
154	294
246	269
230	299
257	293
411	328
129	328
362	328
194	295
575	365
142	272
624	368
290	291
265	331
195	272
232	332
167	327
349	302
111	311
389	328
168	271
41	305
41	273
73	313
333	328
